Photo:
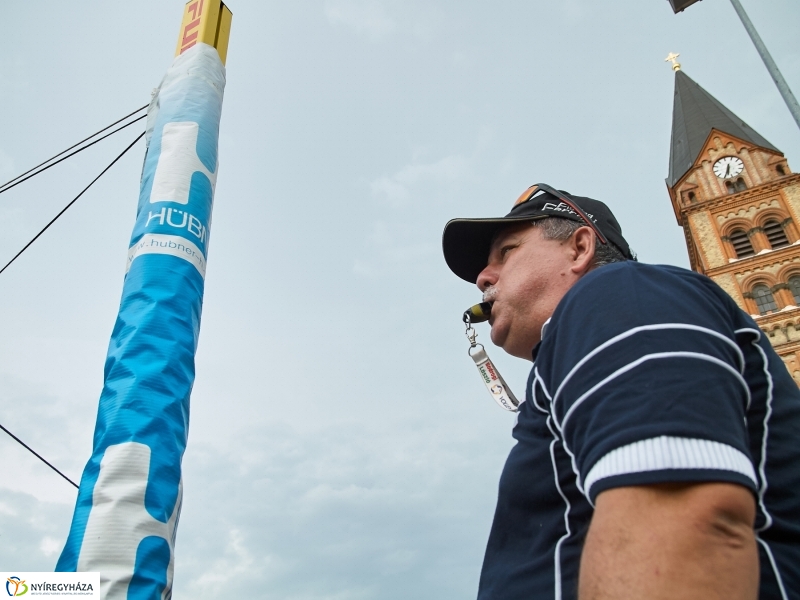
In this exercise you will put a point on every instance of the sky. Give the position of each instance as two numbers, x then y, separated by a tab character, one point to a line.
342	445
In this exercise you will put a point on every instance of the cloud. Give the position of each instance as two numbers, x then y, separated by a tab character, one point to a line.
573	9
398	241
32	532
13	76
397	188
14	225
386	252
7	167
50	546
337	513
366	17
236	561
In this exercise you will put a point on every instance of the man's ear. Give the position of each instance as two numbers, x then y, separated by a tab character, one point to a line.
583	247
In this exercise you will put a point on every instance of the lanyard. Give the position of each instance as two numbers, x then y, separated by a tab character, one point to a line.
491	376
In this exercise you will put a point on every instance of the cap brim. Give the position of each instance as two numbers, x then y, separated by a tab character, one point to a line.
466	243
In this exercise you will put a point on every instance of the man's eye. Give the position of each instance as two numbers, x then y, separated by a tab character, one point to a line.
505	250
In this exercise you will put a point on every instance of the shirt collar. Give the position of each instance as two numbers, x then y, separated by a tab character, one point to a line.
535	350
544	327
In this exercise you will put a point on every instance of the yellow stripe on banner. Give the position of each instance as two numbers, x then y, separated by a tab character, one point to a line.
206	21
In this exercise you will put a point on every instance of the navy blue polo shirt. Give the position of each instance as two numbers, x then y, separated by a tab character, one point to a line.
645	374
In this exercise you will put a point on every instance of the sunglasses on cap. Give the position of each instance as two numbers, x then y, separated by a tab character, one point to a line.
536	188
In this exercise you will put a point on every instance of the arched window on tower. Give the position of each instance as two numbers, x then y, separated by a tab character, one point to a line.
775	234
692	197
730	187
781	171
741	243
740	185
765	301
794	286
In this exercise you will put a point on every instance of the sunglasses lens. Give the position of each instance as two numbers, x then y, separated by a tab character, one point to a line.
526	195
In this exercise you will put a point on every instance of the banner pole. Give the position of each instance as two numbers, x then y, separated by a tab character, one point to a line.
129	501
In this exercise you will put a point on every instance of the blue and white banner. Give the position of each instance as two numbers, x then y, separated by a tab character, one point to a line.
129	501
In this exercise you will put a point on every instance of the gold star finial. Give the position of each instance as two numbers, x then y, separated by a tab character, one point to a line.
673	58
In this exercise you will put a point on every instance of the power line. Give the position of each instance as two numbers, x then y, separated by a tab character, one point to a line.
46	227
36	170
75	145
5	189
73	201
37	455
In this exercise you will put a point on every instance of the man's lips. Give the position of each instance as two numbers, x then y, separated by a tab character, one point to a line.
490	297
491	311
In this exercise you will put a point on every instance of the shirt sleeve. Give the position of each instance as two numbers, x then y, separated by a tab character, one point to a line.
645	380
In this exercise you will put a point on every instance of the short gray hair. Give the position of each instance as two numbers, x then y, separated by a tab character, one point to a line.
555	228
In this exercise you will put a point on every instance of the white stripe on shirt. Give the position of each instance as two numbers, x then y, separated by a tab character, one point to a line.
667	452
636	363
654	327
762	468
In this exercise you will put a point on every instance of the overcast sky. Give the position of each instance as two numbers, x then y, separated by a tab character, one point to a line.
342	446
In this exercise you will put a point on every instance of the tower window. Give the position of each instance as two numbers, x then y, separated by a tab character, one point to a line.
740	185
692	197
741	243
775	234
794	286
730	187
764	299
780	170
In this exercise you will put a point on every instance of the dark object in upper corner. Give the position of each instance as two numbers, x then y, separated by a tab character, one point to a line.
679	5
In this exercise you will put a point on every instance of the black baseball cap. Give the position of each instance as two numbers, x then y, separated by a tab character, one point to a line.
466	242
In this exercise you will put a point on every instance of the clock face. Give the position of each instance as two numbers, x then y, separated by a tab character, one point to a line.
728	167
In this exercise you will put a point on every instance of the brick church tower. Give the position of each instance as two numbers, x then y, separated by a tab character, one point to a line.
739	206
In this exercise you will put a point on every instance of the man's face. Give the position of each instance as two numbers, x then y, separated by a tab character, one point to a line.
525	278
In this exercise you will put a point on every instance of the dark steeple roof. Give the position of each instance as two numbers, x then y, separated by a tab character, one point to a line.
694	115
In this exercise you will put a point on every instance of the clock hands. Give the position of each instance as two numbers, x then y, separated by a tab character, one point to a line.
728	167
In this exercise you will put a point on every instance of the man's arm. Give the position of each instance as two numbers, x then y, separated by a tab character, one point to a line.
671	541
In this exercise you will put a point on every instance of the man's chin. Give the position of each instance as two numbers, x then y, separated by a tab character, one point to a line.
514	347
498	336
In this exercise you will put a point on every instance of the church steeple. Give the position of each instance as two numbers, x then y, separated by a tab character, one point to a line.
695	113
739	205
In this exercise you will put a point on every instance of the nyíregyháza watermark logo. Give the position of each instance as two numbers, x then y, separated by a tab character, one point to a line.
16	586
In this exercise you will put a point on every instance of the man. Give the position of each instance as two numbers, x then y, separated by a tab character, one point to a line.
658	447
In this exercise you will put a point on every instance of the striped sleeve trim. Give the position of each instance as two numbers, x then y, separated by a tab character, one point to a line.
673	453
642	329
644	359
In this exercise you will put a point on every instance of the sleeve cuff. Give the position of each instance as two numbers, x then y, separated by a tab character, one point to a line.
665	458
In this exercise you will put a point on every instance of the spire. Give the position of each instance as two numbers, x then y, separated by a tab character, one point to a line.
673	58
694	114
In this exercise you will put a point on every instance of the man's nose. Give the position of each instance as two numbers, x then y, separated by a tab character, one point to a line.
486	278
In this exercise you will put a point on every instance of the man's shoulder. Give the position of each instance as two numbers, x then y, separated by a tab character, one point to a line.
649	286
631	273
625	296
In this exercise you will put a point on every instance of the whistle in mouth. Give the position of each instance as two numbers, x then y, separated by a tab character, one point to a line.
478	313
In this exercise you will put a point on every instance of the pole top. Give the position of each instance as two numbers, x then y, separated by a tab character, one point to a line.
672	57
206	21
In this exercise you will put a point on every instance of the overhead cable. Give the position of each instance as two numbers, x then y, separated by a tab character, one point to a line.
73	201
37	455
49	162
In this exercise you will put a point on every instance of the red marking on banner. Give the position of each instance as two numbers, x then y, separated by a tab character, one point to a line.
188	37
196	8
